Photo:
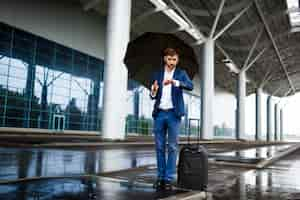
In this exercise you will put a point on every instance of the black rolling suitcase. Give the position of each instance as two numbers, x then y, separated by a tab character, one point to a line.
192	169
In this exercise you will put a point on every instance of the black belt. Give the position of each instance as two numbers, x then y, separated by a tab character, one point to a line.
166	110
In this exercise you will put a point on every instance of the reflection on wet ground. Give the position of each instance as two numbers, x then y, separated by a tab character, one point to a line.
81	189
279	181
18	163
258	152
22	163
125	165
251	156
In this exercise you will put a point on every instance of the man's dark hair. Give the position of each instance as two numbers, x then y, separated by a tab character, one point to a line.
171	52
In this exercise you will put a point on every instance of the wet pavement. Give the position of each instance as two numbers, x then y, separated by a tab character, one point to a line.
278	181
18	163
251	156
119	168
81	189
26	163
257	152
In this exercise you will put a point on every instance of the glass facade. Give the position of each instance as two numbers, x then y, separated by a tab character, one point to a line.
49	86
46	85
139	119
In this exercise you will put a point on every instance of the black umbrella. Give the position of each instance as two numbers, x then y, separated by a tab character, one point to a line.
144	55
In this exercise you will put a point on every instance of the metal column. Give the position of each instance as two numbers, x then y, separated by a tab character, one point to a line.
281	124
115	72
276	120
207	90
258	134
269	119
241	96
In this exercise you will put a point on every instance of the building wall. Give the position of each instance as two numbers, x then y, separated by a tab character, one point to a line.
64	22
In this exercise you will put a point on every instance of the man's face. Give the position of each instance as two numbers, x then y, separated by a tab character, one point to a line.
171	61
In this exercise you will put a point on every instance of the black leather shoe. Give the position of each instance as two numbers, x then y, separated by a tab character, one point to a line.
159	185
168	185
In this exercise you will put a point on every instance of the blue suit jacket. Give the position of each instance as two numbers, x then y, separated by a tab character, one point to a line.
176	92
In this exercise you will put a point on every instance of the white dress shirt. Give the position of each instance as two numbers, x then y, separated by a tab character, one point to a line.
166	97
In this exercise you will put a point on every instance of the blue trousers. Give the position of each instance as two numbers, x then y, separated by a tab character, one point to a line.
166	129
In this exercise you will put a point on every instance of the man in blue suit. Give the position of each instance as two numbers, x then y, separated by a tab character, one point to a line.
166	89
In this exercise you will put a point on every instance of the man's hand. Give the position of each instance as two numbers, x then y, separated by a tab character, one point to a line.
171	81
154	88
167	81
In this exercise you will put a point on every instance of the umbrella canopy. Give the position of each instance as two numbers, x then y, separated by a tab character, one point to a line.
144	55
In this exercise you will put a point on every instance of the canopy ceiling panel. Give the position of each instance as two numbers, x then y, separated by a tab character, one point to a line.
274	69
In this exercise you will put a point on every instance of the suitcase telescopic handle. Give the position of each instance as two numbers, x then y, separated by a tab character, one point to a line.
198	130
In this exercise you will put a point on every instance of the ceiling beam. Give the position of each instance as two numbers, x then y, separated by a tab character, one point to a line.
193	26
273	43
280	77
262	43
252	49
277	90
232	21
212	31
254	60
146	14
235	69
251	28
204	13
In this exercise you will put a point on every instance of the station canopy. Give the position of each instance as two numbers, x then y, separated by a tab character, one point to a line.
272	25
